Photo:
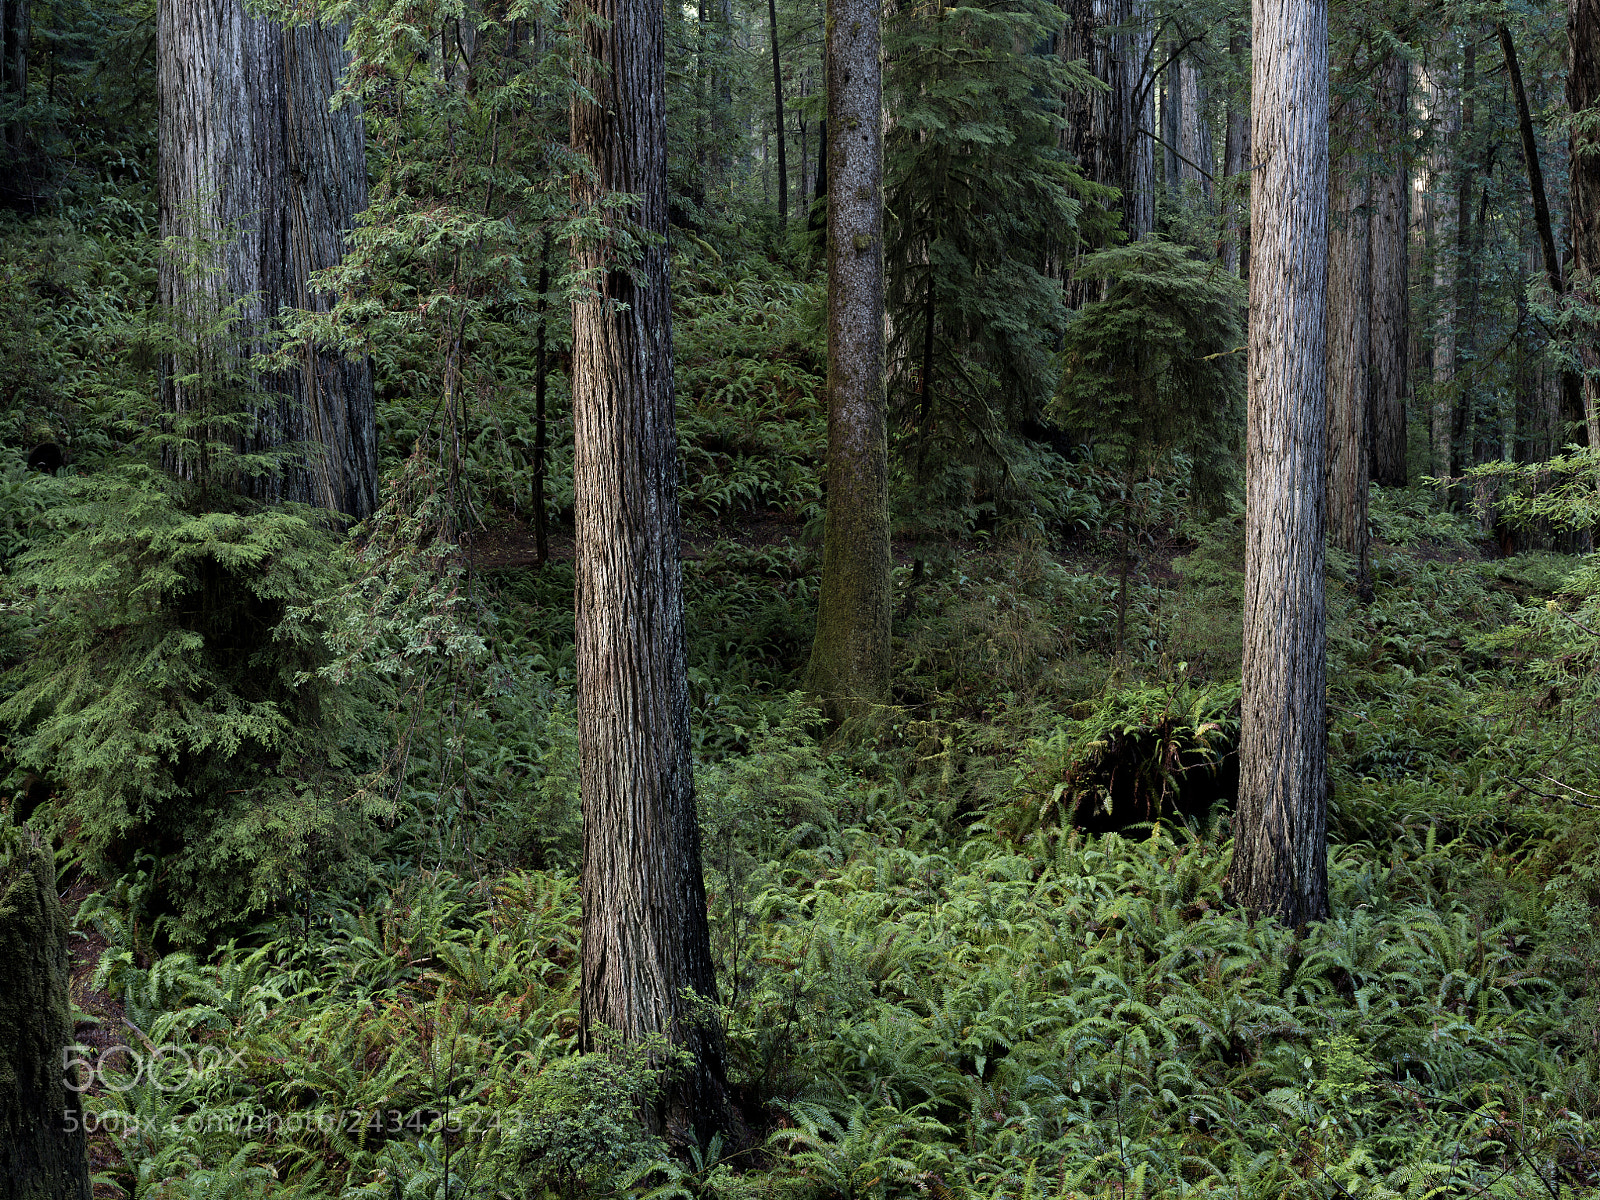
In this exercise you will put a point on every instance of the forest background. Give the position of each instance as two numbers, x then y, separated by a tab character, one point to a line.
313	785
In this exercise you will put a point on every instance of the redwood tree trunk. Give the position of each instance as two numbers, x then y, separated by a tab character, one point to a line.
645	942
260	181
1280	831
850	654
43	1154
1390	334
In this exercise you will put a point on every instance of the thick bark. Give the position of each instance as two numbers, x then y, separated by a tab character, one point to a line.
1108	132
1349	354
645	943
1195	151
777	104
1280	831
43	1153
849	665
260	181
1390	335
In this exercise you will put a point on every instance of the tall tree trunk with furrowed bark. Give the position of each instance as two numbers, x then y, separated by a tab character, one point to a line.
646	944
1280	830
260	182
849	666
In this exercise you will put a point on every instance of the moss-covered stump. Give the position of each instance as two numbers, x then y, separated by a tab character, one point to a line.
43	1155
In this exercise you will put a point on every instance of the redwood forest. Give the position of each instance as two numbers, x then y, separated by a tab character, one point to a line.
799	599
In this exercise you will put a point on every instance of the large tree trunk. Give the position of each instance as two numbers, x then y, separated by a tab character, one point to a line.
1195	164
646	943
43	1154
850	654
1349	352
260	181
1108	132
1390	333
1280	830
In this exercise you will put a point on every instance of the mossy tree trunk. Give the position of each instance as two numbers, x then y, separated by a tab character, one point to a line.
646	944
1280	854
43	1155
850	653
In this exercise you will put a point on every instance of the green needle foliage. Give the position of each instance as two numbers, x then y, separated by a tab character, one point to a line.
979	201
1156	366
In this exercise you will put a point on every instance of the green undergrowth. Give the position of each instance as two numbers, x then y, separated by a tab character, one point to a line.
911	1009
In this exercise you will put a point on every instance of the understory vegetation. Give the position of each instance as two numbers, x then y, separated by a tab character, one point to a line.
985	954
313	790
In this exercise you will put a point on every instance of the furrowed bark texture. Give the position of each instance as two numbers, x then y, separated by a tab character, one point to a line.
645	941
849	666
1583	96
1350	348
39	1158
1108	132
1390	335
263	181
1280	854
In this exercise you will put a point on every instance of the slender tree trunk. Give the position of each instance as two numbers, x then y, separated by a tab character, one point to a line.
1390	334
1171	122
646	947
1463	334
1280	832
43	1153
1446	111
1583	98
777	104
1235	154
1349	352
850	654
541	388
260	183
